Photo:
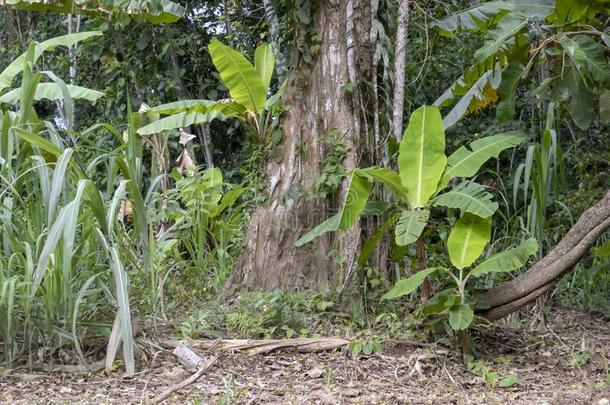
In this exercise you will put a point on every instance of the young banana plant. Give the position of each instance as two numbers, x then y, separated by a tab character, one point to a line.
248	87
465	244
424	172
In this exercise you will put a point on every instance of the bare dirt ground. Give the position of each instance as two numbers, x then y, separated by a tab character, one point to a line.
565	361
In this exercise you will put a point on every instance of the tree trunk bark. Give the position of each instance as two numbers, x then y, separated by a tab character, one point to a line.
318	104
517	293
399	68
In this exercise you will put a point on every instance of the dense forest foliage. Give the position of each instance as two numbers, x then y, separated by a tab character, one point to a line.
279	168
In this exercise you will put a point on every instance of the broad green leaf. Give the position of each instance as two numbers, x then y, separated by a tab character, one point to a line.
388	177
481	16
355	202
53	91
460	316
507	90
264	62
229	108
497	37
568	12
240	77
180	120
16	67
441	302
378	233
467	240
168	12
180	106
408	285
473	18
468	197
410	225
229	198
422	159
466	161
508	260
588	57
580	102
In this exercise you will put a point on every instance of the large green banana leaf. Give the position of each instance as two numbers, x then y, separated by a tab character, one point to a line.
483	15
422	160
468	197
466	161
227	107
264	62
497	37
508	260
355	203
181	106
389	178
511	75
460	316
410	225
467	240
240	77
588	57
180	120
52	91
408	285
16	67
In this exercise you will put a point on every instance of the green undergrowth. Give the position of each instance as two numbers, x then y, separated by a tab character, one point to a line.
282	314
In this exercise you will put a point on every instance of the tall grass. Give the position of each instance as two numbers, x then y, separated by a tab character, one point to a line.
539	179
77	226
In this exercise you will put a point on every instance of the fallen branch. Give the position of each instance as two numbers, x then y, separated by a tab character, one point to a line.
254	346
540	278
203	367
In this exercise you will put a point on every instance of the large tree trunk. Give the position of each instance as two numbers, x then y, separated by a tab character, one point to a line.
318	103
510	297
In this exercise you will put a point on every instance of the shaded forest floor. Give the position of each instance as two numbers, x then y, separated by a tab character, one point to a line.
565	361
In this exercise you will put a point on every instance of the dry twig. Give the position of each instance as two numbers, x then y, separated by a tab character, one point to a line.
176	387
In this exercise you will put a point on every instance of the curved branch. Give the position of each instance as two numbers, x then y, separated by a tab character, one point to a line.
509	297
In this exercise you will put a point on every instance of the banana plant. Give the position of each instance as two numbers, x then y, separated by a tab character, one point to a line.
248	86
424	173
465	244
558	37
